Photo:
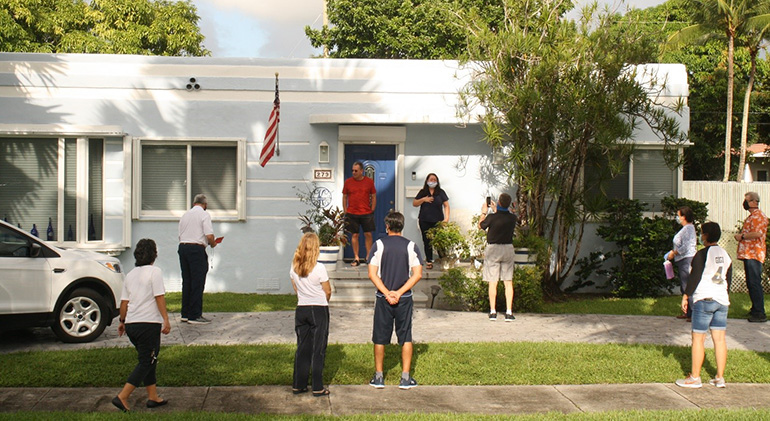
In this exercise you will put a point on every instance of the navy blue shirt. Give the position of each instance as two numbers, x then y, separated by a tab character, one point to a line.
394	256
432	212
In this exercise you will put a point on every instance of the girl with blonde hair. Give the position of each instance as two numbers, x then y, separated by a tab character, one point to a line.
311	318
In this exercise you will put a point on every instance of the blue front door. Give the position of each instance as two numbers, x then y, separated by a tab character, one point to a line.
379	165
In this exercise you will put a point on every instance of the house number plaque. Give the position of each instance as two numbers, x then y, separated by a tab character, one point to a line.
322	174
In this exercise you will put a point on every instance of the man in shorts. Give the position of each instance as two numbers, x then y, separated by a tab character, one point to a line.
708	285
359	199
395	266
499	255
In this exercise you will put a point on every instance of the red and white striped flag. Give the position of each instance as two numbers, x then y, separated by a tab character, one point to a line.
271	136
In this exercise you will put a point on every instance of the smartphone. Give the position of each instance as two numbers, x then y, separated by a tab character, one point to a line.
489	200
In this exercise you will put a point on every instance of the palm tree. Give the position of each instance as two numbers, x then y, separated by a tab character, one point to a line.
754	39
728	18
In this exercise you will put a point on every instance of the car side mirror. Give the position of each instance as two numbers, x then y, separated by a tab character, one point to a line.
34	250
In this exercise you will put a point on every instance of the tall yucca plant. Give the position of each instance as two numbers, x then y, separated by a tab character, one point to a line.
729	19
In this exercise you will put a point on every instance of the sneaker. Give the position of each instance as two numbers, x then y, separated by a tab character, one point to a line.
757	319
199	321
407	384
492	317
183	319
690	381
718	382
509	317
377	382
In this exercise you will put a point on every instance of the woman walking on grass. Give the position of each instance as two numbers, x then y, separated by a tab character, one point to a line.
311	318
143	317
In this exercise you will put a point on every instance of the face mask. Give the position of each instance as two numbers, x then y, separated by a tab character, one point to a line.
432	185
680	220
746	204
700	239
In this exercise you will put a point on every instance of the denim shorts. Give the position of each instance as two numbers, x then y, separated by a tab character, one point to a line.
708	314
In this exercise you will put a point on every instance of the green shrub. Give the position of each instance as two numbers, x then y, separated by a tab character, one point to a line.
464	288
527	284
640	242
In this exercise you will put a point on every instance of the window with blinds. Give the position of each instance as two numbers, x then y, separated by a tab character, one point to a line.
31	171
172	172
653	179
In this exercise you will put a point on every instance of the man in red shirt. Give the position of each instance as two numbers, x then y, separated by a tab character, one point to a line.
359	199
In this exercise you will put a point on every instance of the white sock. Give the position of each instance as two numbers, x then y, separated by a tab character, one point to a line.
509	312
492	311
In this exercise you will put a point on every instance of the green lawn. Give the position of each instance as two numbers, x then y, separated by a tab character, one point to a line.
740	303
434	364
229	302
685	415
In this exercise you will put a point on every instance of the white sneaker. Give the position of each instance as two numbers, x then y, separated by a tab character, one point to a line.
718	382
690	381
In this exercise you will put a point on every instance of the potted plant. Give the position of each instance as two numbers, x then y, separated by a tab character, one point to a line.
327	222
449	242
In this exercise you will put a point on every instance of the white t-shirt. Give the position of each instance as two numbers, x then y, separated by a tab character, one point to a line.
194	226
713	282
309	291
140	288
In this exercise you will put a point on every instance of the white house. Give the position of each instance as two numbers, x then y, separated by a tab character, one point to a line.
112	149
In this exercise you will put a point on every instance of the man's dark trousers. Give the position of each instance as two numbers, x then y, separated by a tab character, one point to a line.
753	269
194	263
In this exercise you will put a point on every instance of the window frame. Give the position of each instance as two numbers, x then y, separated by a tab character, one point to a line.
237	214
82	184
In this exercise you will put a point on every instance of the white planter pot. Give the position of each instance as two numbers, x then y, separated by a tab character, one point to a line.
523	257
328	257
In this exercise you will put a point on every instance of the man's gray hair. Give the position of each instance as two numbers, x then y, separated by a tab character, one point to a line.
752	196
199	199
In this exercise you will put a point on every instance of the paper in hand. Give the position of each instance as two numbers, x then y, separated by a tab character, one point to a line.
219	239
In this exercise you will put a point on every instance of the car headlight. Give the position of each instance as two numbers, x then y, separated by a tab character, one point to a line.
115	267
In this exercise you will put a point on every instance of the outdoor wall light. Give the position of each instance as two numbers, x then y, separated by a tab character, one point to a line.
323	153
192	86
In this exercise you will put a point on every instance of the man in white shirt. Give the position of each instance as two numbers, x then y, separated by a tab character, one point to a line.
195	233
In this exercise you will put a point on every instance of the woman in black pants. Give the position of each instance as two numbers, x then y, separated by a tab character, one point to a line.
311	319
143	317
434	208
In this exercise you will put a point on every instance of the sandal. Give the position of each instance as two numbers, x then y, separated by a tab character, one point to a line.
429	265
322	392
299	391
355	263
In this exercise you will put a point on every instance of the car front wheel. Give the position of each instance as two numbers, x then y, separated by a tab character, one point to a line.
82	317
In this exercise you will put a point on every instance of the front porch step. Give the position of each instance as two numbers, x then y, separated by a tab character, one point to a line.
360	293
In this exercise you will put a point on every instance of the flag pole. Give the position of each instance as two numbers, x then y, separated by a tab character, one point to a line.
277	127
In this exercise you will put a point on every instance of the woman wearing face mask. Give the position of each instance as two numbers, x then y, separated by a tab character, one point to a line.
434	208
683	252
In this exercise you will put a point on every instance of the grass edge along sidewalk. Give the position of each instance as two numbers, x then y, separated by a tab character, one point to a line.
230	302
503	363
636	415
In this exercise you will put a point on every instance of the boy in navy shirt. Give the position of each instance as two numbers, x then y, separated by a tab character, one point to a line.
395	266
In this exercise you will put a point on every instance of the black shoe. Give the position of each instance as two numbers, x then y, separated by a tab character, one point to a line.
757	319
199	321
155	404
118	404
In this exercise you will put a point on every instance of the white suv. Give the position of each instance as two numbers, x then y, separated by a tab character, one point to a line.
75	292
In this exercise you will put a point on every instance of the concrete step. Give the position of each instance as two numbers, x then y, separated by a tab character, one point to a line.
365	298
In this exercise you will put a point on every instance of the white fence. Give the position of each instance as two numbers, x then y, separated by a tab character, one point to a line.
725	205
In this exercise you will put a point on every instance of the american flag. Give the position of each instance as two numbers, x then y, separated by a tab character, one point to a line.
271	136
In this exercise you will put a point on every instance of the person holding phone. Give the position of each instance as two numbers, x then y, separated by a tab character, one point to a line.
500	223
434	208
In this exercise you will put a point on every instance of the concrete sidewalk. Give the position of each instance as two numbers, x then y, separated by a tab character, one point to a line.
430	326
354	325
349	400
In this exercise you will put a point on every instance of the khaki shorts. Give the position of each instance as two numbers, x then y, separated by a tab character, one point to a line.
498	263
